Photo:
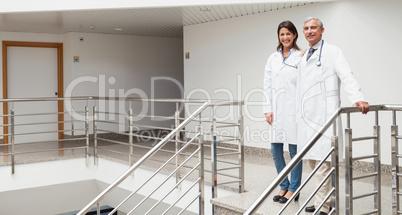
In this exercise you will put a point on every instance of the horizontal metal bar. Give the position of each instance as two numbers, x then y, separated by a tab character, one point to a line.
399	174
114	113
229	182
40	114
156	127
155	116
357	109
364	138
42	123
222	147
50	141
229	168
226	175
48	99
365	195
227	154
110	122
228	123
51	150
365	176
113	141
47	132
227	126
372	212
227	162
364	157
4	125
398	137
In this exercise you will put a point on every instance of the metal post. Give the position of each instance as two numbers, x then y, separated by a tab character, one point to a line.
95	137
214	165
335	175
72	124
241	149
348	172
98	209
130	136
201	170
12	142
395	165
177	145
377	165
87	136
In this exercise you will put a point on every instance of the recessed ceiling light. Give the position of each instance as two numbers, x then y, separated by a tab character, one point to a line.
118	29
92	27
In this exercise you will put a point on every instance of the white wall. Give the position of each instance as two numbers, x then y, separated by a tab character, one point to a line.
123	66
366	30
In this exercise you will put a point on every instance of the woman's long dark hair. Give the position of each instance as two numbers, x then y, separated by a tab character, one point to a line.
288	25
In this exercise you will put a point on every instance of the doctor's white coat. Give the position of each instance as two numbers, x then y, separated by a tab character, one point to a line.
280	87
318	95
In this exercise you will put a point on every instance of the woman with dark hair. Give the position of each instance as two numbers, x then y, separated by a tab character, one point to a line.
279	108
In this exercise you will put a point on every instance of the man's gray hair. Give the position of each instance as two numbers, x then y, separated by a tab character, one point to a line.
319	21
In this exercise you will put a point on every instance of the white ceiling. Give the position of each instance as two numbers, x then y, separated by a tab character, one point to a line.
158	22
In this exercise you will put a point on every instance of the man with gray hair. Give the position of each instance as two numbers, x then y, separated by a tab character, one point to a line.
321	71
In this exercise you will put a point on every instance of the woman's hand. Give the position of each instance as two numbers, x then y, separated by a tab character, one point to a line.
302	53
269	117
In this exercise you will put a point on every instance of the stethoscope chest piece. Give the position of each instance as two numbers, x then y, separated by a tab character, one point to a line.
318	62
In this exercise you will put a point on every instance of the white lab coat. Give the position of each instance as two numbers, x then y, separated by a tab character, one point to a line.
280	88
318	95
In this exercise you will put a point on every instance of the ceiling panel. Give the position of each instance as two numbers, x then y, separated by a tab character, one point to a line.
158	22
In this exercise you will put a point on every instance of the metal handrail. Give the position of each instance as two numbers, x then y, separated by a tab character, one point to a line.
143	159
296	159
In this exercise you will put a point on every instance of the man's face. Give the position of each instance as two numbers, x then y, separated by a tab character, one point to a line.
312	32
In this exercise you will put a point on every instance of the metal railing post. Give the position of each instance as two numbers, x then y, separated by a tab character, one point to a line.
72	124
177	144
201	170
241	149
348	169
130	136
12	141
95	137
377	165
214	165
87	135
98	209
395	164
335	175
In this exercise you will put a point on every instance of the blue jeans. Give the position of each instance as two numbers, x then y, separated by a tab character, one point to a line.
279	160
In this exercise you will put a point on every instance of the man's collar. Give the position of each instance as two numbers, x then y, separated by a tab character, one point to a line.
317	45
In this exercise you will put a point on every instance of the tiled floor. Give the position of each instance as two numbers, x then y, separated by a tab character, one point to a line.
259	172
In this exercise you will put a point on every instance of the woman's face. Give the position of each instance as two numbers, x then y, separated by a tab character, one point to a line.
286	38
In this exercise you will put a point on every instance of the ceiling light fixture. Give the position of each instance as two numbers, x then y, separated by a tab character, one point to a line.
118	29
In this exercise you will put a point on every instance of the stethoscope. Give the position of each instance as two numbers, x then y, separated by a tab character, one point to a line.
318	63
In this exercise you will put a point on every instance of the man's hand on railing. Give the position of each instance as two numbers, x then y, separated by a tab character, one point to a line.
363	106
269	117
